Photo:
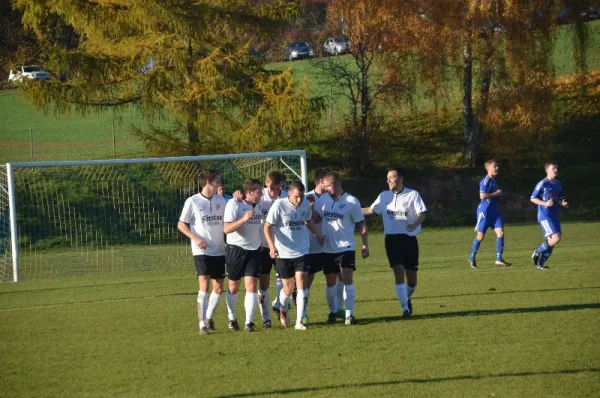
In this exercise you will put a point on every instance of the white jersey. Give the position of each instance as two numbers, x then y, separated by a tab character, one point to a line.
248	235
205	217
339	220
399	210
289	227
266	202
315	247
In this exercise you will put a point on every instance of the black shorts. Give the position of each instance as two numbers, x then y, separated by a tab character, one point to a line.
334	262
287	267
241	262
266	262
402	250
314	262
214	266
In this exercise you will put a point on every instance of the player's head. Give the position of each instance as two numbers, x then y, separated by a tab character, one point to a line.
296	193
491	166
332	182
210	180
551	170
274	182
319	174
220	190
252	190
395	178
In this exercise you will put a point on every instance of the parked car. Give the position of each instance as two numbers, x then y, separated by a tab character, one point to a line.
31	72
335	46
297	50
256	53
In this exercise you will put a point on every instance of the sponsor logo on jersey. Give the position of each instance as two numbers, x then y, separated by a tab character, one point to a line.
332	214
342	205
395	214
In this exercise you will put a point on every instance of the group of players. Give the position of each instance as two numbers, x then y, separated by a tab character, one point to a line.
547	195
301	235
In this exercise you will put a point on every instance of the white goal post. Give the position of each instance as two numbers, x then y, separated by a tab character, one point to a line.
68	218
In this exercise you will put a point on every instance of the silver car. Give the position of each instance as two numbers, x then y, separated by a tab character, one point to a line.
335	46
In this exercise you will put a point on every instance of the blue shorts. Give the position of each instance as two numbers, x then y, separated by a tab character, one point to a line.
549	226
488	220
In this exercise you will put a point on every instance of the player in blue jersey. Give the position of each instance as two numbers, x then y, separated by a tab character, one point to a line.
488	215
548	196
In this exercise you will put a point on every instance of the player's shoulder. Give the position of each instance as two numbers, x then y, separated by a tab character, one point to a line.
485	180
541	183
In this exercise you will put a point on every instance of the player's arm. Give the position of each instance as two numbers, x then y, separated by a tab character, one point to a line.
364	236
485	195
367	211
312	227
268	228
185	229
420	218
229	227
539	202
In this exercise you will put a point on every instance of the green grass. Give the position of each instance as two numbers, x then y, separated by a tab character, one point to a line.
485	332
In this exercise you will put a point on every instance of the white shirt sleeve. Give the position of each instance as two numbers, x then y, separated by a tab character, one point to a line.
378	206
273	215
418	204
230	211
186	214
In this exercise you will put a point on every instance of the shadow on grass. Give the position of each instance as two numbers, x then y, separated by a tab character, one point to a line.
413	380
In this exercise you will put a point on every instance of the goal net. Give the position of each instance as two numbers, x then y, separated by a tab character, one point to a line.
60	219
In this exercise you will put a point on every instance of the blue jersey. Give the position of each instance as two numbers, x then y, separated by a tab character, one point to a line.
544	190
488	185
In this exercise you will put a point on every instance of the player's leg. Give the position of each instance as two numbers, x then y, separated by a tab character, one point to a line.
300	277
286	273
234	265
251	278
330	271
411	266
263	287
203	276
552	236
499	229
480	229
217	275
314	265
340	297
348	267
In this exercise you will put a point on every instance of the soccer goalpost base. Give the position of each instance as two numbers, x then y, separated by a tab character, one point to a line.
66	218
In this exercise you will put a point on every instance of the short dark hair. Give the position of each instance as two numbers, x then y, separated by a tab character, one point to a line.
296	185
490	162
208	175
250	184
321	172
276	177
334	176
399	171
550	163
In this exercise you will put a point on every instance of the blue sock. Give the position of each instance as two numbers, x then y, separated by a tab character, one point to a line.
499	248
546	255
474	248
543	248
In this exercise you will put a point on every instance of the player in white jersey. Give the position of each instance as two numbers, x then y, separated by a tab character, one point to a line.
287	236
202	221
403	212
242	224
340	213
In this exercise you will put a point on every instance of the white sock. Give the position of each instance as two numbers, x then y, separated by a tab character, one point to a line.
340	295
306	293
300	301
250	305
201	302
213	303
231	303
331	294
411	290
263	304
284	300
349	295
402	293
279	285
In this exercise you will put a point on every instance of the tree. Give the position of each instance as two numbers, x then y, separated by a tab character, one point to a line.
186	61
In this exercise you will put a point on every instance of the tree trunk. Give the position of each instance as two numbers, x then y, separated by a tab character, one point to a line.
193	138
486	83
470	149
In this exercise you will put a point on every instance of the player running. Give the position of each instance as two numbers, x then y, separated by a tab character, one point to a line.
202	221
488	215
548	196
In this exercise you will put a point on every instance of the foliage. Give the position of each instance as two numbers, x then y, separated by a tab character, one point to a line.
201	75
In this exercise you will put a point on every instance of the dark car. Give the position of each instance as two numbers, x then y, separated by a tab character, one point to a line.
297	50
256	53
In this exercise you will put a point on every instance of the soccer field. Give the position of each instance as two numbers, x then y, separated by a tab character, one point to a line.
487	332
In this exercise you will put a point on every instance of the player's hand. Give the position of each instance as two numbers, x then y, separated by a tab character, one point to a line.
272	253
365	251
249	214
238	195
201	244
565	204
411	227
311	199
498	192
550	202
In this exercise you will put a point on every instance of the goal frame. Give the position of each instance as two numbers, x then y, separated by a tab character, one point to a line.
12	200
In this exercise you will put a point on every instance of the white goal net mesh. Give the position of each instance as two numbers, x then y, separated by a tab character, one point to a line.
108	218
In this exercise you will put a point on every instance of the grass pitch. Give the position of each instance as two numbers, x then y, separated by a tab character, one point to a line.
487	332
